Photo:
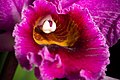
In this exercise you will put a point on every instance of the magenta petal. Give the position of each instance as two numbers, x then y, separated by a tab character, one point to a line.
63	3
45	54
87	75
106	15
34	59
24	44
67	3
88	60
26	49
56	2
50	67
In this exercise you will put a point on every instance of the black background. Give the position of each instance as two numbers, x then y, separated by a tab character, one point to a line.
113	69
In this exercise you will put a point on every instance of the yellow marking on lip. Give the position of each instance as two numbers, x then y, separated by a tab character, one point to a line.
62	37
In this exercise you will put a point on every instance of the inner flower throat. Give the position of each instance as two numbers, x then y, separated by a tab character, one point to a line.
48	31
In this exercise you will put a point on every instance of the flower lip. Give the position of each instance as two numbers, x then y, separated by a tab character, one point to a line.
91	49
49	30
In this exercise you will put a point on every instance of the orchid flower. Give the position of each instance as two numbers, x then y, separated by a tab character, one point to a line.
60	43
10	13
61	38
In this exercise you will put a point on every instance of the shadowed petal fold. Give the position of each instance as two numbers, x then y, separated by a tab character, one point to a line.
6	41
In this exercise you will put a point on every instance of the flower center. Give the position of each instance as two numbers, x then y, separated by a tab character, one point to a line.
58	31
48	26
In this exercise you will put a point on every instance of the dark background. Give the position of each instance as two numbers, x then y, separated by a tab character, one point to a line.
113	69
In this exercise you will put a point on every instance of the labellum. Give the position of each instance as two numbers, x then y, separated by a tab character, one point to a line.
60	44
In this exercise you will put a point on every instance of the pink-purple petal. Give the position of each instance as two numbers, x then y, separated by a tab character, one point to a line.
34	59
85	58
8	15
67	3
25	47
10	12
63	3
106	15
51	67
24	44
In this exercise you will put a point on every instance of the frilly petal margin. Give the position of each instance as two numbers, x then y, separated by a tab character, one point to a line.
50	67
61	4
106	14
89	60
26	49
